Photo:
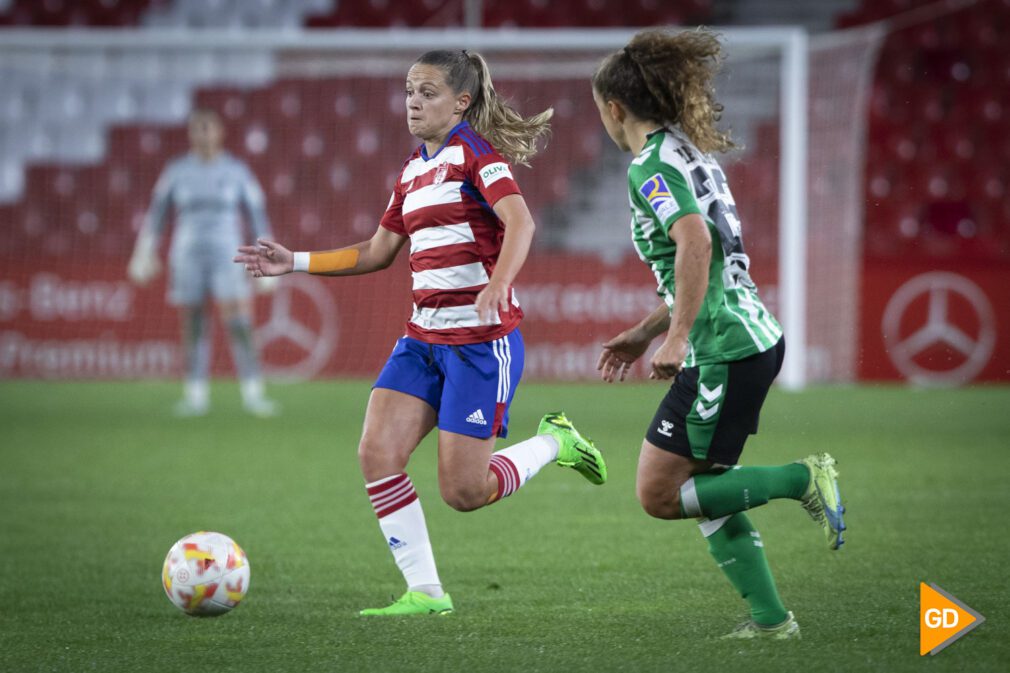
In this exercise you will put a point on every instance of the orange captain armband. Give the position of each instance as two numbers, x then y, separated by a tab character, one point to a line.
326	262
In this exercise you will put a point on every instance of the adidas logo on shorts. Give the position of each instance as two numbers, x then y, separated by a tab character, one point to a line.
477	418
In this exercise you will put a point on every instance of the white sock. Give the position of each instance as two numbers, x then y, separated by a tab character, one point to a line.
252	390
518	463
196	392
402	522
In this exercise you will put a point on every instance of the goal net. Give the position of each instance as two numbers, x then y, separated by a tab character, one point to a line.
89	120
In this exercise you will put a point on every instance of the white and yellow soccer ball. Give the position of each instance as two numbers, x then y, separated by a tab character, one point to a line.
205	574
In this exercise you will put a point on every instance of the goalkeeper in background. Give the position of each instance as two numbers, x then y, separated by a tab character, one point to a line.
207	187
722	348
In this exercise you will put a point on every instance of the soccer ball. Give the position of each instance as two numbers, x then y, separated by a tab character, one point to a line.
205	574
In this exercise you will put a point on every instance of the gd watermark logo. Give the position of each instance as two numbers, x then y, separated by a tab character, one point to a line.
942	619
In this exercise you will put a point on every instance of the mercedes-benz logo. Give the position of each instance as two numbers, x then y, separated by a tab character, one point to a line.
286	324
940	289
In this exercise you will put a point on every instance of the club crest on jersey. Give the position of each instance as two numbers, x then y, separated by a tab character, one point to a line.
440	173
659	196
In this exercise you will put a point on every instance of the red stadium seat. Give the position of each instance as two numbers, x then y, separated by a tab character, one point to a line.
56	13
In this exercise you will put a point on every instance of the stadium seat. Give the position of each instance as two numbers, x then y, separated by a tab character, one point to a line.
93	13
79	143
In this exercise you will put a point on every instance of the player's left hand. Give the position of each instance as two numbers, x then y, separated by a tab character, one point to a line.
668	360
493	298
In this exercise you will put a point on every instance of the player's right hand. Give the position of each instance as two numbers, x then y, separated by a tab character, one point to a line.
143	268
266	258
620	353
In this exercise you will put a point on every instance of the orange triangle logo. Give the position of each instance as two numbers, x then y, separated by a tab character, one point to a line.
942	619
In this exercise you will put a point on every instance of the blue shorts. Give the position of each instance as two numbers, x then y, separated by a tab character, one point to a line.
470	386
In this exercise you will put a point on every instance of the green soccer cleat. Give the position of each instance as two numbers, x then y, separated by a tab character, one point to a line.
574	450
787	630
414	603
822	500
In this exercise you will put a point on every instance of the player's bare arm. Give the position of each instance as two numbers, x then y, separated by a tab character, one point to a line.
519	228
269	258
694	254
620	352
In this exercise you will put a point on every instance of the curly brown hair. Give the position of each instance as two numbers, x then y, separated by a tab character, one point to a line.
508	131
667	78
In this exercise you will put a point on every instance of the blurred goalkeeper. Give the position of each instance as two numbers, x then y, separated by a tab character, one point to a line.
722	348
207	187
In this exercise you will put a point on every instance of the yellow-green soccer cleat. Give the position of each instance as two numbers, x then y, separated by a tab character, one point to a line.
574	450
822	500
414	603
787	630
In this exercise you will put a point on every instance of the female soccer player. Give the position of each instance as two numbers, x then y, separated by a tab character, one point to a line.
723	348
458	366
206	187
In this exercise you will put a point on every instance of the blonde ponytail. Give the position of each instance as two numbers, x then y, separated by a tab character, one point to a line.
514	136
507	130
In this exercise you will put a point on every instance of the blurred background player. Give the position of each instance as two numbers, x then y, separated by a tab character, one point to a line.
207	187
723	348
460	362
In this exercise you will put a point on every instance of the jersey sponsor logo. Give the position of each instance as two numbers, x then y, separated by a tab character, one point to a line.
659	196
440	173
477	418
492	173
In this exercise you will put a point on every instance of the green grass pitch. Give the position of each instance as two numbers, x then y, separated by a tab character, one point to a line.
98	480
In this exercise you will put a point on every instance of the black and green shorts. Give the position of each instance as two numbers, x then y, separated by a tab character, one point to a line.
710	410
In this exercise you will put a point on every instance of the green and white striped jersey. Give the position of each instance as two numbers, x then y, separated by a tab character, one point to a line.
669	179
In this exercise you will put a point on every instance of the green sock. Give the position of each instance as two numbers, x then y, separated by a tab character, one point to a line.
738	550
717	494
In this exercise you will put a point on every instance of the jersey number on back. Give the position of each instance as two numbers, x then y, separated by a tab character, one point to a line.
709	182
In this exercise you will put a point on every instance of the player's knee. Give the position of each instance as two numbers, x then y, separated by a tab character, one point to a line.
376	460
463	498
660	505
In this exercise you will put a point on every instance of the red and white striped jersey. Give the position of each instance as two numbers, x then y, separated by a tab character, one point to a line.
444	204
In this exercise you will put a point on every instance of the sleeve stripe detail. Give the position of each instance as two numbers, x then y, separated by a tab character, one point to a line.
485	145
478	144
470	143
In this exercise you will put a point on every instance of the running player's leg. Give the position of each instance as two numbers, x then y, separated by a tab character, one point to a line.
481	380
232	289
402	410
703	421
733	542
708	414
464	478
